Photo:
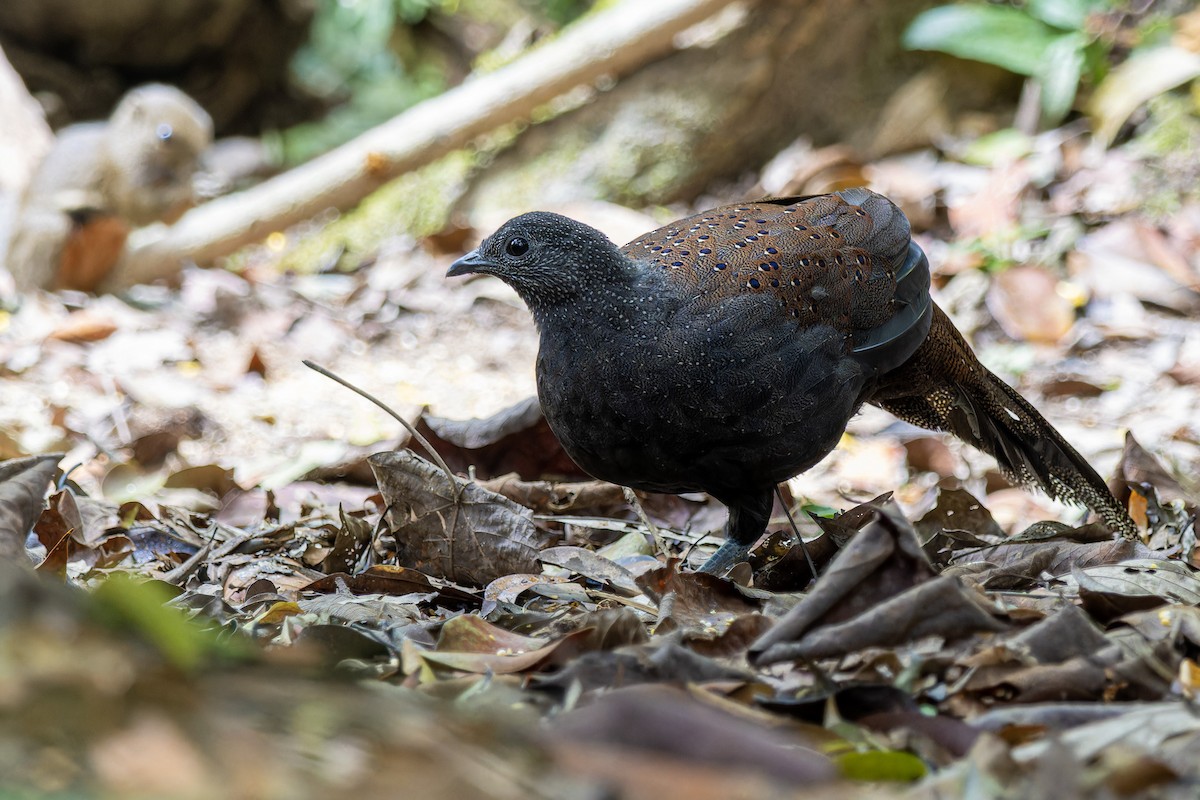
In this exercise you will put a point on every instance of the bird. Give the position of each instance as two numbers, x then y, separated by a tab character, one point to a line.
726	352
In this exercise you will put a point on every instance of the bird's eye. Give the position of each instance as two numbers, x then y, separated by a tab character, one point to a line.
516	246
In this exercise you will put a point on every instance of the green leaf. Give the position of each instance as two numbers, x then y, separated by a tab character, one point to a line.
139	606
881	765
998	147
1059	76
1066	14
818	510
999	35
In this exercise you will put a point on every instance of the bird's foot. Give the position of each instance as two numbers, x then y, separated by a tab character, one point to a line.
727	555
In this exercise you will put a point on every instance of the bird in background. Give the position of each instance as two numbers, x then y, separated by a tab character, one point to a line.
726	352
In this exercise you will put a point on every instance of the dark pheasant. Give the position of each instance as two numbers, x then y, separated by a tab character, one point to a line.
726	352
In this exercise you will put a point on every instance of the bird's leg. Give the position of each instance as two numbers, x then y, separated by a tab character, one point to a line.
748	517
728	554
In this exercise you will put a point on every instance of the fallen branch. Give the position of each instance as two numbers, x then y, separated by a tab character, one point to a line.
611	43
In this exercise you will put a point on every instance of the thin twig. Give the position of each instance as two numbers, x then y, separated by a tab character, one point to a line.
176	576
437	458
625	601
209	551
631	498
812	567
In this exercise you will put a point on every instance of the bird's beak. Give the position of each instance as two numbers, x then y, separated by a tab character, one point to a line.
471	262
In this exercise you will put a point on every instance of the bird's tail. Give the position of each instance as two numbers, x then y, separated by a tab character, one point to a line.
944	387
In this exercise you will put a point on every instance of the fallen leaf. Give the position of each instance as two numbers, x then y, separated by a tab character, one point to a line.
469	643
1025	301
1165	581
1144	75
23	484
509	588
591	565
1112	260
880	590
458	530
881	765
649	719
515	439
84	326
393	580
1140	466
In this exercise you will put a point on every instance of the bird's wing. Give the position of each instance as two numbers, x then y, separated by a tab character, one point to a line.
846	260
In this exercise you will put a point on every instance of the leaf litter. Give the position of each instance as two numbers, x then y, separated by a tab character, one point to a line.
517	629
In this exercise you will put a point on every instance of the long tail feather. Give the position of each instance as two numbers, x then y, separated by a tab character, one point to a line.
944	387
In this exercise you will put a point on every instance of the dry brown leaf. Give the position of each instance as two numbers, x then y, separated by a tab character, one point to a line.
1112	260
656	661
931	454
878	592
1140	466
1061	386
590	565
515	439
1026	562
455	530
469	643
1146	74
1026	302
392	580
995	207
1144	726
957	511
509	588
84	326
800	169
647	720
589	498
23	484
1165	254
1155	579
696	603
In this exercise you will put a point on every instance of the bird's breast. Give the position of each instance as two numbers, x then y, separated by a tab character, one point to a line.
674	400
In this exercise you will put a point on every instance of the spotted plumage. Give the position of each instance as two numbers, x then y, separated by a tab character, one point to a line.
813	262
727	351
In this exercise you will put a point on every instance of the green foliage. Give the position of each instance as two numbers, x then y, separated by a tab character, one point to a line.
1001	35
818	510
349	46
1172	128
1170	141
881	765
1061	73
410	12
350	58
140	607
561	12
1066	14
999	147
371	61
1045	40
996	251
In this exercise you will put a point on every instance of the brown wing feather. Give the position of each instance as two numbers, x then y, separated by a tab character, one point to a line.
830	258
